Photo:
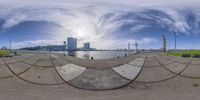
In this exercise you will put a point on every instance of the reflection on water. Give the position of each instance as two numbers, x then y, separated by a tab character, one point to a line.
88	54
100	54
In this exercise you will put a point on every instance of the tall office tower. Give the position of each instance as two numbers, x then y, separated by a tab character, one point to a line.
71	44
86	45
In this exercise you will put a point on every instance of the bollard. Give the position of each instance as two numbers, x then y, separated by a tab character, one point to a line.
15	53
125	55
92	58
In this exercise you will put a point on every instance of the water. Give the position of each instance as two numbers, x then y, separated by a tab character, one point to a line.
89	54
100	54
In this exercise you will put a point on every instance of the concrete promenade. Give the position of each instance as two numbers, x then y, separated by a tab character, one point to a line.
149	76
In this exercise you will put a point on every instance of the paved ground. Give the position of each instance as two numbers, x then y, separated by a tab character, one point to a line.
54	77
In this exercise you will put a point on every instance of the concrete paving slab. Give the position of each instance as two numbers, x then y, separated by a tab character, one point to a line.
1	62
44	63
164	61
185	60
10	60
60	62
143	56
128	71
154	74
174	58
70	71
196	62
31	61
41	75
176	67
192	71
4	71
98	80
19	67
44	56
21	57
139	62
151	63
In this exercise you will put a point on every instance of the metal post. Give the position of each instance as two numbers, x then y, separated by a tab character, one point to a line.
136	47
164	43
129	48
10	44
174	41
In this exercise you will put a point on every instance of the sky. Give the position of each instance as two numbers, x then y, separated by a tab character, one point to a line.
106	24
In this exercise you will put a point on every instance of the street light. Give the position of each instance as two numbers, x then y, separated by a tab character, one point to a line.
136	47
174	40
10	44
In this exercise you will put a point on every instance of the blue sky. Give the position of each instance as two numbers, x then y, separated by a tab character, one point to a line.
106	25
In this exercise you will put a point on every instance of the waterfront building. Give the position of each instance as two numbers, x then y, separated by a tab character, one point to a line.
86	45
71	44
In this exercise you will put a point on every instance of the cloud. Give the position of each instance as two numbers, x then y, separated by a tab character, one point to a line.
110	44
96	21
29	43
138	27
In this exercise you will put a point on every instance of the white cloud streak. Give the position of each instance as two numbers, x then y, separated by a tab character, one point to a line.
93	21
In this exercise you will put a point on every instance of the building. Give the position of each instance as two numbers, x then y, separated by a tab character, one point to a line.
46	48
71	44
86	45
54	48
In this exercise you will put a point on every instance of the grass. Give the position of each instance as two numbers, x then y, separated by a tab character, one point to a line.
180	53
4	53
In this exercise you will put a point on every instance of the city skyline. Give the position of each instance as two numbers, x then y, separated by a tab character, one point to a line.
113	27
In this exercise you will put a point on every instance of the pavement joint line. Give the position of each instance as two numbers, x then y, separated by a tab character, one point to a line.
34	65
177	74
18	61
186	76
99	89
9	76
12	73
155	57
15	74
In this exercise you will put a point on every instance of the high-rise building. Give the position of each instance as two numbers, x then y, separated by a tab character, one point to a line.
71	44
86	45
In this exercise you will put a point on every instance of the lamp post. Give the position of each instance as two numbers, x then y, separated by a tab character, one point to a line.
65	47
10	44
136	47
174	41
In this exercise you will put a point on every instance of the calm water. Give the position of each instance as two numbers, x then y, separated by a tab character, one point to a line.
100	54
89	54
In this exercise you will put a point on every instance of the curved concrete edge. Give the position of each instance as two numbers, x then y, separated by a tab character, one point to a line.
137	62
192	71
20	67
70	71
154	74
41	76
128	71
5	72
95	79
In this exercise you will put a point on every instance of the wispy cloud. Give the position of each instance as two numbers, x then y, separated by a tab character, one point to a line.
35	43
95	21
